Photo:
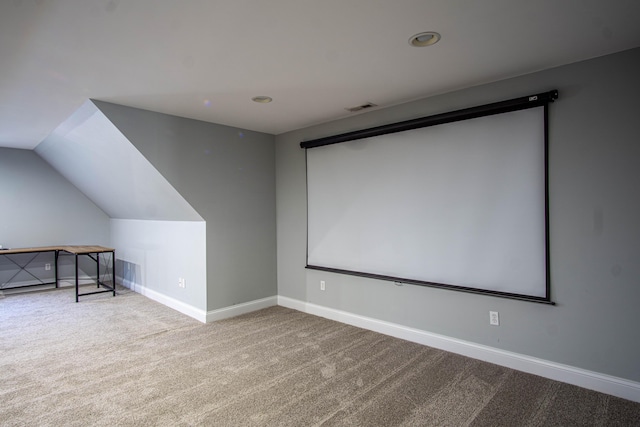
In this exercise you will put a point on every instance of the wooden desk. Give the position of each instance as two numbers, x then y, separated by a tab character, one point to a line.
92	252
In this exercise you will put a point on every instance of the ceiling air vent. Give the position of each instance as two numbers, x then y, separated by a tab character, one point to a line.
361	107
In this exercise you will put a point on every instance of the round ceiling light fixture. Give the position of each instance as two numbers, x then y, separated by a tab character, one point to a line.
427	38
262	99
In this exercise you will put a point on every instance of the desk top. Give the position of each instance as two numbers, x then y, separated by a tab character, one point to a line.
72	249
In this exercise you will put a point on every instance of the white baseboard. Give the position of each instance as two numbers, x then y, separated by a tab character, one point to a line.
236	310
196	313
170	302
603	383
293	304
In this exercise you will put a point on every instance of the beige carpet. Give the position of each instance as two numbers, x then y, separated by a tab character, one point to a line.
130	361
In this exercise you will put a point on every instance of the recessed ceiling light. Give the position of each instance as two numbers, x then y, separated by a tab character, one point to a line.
262	99
424	39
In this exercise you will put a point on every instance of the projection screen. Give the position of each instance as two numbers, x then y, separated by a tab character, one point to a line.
460	205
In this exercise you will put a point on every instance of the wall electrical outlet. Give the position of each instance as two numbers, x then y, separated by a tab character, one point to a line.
182	282
47	266
322	285
494	318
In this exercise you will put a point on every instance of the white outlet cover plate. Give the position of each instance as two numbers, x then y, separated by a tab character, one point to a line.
494	318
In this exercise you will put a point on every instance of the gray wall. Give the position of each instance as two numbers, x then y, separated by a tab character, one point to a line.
154	255
227	175
595	238
39	207
98	159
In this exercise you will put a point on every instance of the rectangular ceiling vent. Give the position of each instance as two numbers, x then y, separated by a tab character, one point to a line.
361	107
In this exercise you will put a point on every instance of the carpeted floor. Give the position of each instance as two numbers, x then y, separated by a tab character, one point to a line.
130	361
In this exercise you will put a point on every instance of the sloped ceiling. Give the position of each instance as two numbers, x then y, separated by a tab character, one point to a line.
206	59
99	160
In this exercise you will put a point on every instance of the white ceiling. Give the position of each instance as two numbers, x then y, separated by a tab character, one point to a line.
206	59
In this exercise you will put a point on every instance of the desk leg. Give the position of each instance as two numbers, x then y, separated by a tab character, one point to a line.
77	288
55	267
98	270
113	272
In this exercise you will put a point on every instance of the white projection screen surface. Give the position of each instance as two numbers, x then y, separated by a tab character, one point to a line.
460	205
